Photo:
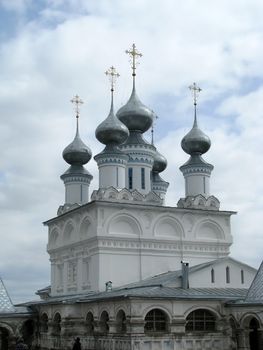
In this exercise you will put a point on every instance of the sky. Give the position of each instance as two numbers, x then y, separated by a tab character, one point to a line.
51	50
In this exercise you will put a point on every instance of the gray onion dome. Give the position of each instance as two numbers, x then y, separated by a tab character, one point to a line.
159	163
135	115
77	153
112	130
196	141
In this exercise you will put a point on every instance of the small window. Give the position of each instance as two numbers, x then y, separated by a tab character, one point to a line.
227	274
212	276
117	177
155	321
242	277
200	320
44	323
130	178
204	184
143	178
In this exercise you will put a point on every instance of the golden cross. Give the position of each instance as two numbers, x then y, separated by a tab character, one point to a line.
113	75
77	101
195	91
134	54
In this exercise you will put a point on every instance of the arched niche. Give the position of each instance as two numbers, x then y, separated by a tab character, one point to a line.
209	230
123	225
68	232
168	227
85	229
53	237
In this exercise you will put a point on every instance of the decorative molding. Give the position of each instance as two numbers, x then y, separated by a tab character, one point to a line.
199	202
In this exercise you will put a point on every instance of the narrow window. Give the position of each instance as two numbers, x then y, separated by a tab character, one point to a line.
227	274
130	178
242	277
143	178
212	276
204	184
117	177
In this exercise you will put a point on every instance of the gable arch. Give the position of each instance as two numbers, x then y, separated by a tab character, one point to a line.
68	232
86	228
8	328
54	237
209	229
124	224
159	307
247	317
168	226
198	307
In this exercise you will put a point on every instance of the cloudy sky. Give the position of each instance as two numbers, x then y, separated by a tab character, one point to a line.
51	50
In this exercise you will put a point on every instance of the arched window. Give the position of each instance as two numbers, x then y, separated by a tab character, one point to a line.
104	318
44	323
57	324
90	323
155	321
212	276
121	321
242	276
254	340
227	274
200	320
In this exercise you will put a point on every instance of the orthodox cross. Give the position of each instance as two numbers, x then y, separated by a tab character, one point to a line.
195	92
134	55
78	102
113	76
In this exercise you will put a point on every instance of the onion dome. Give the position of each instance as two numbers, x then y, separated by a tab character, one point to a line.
135	115
159	163
196	141
77	153
112	130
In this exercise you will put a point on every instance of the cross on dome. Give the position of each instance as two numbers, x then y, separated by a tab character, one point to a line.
134	55
78	102
195	92
113	76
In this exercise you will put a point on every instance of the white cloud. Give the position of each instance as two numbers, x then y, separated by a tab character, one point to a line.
217	44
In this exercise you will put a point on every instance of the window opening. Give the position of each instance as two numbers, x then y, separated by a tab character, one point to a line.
227	274
212	276
155	321
143	178
242	277
130	178
200	320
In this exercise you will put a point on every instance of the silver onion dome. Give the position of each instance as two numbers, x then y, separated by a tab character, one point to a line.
112	130
196	141
77	153
135	115
159	163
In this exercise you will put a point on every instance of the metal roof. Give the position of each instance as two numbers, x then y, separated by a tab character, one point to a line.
6	305
255	292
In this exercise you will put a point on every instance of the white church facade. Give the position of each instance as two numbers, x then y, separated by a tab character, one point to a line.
129	272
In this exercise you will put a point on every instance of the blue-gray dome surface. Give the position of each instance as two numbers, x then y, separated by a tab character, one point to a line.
196	141
160	163
112	130
135	115
77	152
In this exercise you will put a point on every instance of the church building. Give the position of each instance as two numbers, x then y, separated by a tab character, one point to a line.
129	272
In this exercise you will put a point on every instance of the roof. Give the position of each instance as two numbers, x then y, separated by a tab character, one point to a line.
255	292
6	305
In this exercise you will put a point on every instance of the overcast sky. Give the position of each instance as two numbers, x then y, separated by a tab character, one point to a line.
51	50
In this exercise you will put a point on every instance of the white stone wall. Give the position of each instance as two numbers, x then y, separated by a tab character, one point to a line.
125	243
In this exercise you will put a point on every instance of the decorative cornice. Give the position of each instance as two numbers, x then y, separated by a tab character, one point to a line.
199	202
